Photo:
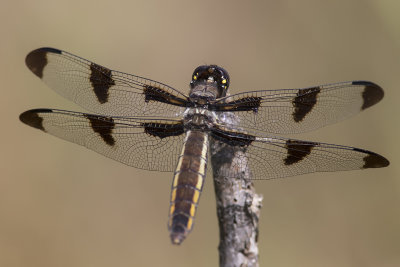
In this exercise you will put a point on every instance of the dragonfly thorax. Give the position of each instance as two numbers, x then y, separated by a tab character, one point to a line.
199	118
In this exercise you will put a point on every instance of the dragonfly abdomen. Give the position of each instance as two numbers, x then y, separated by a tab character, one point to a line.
187	185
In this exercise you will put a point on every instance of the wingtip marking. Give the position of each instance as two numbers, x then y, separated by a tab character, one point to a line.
36	60
372	94
32	118
372	159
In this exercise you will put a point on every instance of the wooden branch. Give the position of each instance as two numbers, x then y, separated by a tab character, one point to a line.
238	206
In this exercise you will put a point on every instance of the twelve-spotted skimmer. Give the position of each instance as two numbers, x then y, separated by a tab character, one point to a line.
152	126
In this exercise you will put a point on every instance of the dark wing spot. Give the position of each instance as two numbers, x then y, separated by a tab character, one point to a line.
372	93
232	138
101	80
304	102
37	60
32	118
103	126
163	130
249	103
297	150
153	93
372	160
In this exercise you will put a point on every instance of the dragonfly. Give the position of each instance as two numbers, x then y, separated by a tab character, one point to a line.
152	126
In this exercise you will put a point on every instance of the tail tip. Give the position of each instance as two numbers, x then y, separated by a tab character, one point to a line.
177	238
178	234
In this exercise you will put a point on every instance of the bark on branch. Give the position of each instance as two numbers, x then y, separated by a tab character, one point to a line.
238	206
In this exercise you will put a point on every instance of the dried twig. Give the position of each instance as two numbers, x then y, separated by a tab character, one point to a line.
238	206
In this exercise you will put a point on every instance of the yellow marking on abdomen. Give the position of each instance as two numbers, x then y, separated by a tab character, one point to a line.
195	198
172	209
189	224
176	178
205	147
181	156
192	210
202	167
173	195
199	184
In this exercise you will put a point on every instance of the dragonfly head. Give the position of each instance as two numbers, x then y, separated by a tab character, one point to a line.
211	79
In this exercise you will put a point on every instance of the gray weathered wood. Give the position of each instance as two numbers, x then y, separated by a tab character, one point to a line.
238	207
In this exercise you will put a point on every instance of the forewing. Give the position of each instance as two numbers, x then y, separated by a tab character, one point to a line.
271	157
145	144
101	90
299	110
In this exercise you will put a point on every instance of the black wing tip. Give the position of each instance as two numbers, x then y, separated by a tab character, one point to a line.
36	60
373	160
372	94
46	50
33	119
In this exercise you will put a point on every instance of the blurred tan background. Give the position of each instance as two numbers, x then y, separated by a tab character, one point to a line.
63	205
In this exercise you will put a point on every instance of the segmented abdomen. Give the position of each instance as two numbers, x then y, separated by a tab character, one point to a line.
187	185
